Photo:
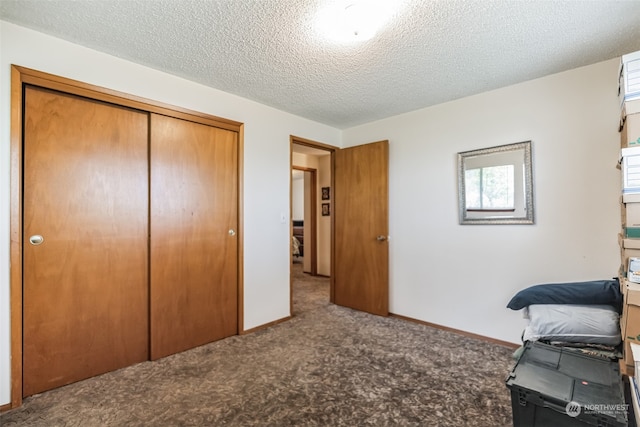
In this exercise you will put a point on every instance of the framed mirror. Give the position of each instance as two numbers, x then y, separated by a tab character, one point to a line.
495	185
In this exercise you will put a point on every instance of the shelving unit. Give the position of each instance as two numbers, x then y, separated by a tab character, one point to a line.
629	238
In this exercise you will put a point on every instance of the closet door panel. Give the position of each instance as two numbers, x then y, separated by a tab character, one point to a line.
193	254
85	286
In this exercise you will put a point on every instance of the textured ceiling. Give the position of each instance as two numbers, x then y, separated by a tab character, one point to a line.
269	51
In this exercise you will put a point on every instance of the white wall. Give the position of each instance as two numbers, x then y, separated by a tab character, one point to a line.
297	198
266	162
463	276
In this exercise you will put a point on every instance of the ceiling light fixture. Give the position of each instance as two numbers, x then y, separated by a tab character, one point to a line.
354	20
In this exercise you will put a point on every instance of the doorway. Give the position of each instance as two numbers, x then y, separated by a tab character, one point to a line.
356	207
311	222
304	218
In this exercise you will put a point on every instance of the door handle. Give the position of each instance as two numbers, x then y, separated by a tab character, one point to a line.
36	240
381	238
232	232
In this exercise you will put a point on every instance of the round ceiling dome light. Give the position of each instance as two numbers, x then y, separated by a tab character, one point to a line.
354	20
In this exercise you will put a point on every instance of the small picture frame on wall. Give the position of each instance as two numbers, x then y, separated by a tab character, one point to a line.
326	193
326	209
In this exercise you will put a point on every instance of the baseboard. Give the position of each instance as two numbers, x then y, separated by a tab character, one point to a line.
458	331
265	326
316	275
5	407
408	319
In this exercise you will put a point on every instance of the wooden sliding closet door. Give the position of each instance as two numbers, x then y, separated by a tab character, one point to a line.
194	218
85	248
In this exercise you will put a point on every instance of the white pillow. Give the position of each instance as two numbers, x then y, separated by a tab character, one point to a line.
593	324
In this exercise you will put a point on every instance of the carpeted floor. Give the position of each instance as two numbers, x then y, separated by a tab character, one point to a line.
328	366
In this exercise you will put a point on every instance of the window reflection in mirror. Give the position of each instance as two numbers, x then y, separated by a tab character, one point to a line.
495	185
490	188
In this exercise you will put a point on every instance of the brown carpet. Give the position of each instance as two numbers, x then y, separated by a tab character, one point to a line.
328	366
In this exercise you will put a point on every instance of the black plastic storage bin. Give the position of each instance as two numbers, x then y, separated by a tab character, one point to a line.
557	387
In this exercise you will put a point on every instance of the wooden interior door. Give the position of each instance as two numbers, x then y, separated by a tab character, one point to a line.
361	224
194	256
85	286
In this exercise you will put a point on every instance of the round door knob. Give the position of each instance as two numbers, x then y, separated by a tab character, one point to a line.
381	238
36	240
232	232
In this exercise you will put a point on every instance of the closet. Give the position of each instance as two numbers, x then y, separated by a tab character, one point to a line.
85	239
130	246
194	215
